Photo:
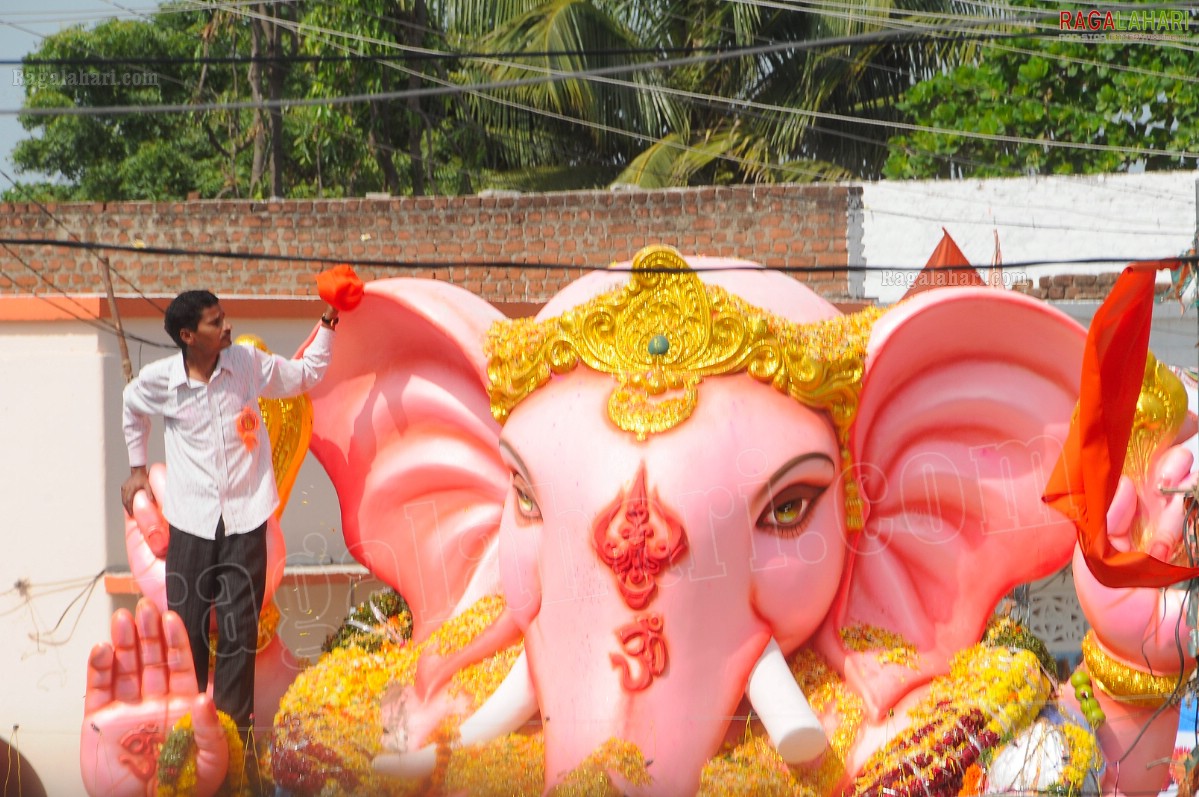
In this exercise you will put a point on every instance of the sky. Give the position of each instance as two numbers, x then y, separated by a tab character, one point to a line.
23	25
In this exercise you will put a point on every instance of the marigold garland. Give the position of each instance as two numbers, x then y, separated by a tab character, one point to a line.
1084	758
329	726
1004	631
972	779
511	766
989	694
892	648
177	761
752	768
481	679
827	694
592	777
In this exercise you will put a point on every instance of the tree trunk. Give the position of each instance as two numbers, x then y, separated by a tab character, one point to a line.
416	168
275	75
255	79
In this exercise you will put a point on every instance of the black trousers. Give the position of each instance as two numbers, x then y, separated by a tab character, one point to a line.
226	576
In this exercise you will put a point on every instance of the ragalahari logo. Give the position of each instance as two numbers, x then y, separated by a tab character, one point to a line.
1125	22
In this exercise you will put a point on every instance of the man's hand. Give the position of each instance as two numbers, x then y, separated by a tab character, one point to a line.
138	479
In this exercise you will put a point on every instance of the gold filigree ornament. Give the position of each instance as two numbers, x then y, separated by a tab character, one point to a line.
663	333
1161	411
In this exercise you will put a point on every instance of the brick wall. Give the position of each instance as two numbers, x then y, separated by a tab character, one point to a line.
1075	287
797	226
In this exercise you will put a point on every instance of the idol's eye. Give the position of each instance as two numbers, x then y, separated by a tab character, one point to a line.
789	510
526	505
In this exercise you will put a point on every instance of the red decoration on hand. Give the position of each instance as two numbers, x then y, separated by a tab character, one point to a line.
140	748
340	287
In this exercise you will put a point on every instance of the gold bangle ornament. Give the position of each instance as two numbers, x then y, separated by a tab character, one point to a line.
666	331
1126	683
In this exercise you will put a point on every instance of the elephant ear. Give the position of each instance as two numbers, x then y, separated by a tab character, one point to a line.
403	426
966	399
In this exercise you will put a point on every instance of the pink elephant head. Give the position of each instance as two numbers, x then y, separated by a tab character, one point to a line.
698	472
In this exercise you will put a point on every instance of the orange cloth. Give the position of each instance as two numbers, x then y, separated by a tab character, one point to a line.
1085	478
340	287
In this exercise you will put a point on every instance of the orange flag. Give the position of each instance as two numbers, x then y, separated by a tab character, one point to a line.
1085	478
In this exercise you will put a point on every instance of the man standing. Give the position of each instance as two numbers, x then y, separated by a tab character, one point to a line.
220	482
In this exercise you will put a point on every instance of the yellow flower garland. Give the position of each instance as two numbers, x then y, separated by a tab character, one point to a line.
890	647
1083	757
177	761
989	694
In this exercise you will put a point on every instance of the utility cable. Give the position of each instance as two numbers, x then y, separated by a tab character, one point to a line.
410	265
87	318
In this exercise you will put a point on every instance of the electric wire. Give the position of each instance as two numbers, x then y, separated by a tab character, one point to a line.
296	27
601	75
409	265
565	118
86	318
103	261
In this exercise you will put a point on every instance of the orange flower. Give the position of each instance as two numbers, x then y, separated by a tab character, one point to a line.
971	780
247	426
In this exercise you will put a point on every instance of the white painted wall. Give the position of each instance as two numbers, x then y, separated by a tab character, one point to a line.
1118	217
54	490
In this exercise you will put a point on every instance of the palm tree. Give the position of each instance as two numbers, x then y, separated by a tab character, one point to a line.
734	106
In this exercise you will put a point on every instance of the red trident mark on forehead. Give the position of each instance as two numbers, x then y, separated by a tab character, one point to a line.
637	537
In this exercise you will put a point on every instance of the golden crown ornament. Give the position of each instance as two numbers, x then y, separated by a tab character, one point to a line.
663	333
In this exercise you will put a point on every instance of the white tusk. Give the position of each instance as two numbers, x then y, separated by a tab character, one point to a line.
795	730
508	708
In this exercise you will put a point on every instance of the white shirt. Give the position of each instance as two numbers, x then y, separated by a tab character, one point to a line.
215	469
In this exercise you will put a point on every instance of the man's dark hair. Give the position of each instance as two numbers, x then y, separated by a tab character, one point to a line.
184	312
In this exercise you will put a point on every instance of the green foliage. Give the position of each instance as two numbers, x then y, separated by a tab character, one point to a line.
115	157
384	616
1106	92
707	120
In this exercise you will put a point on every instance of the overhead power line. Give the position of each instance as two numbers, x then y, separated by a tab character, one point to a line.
604	74
85	318
57	221
873	37
426	55
413	265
